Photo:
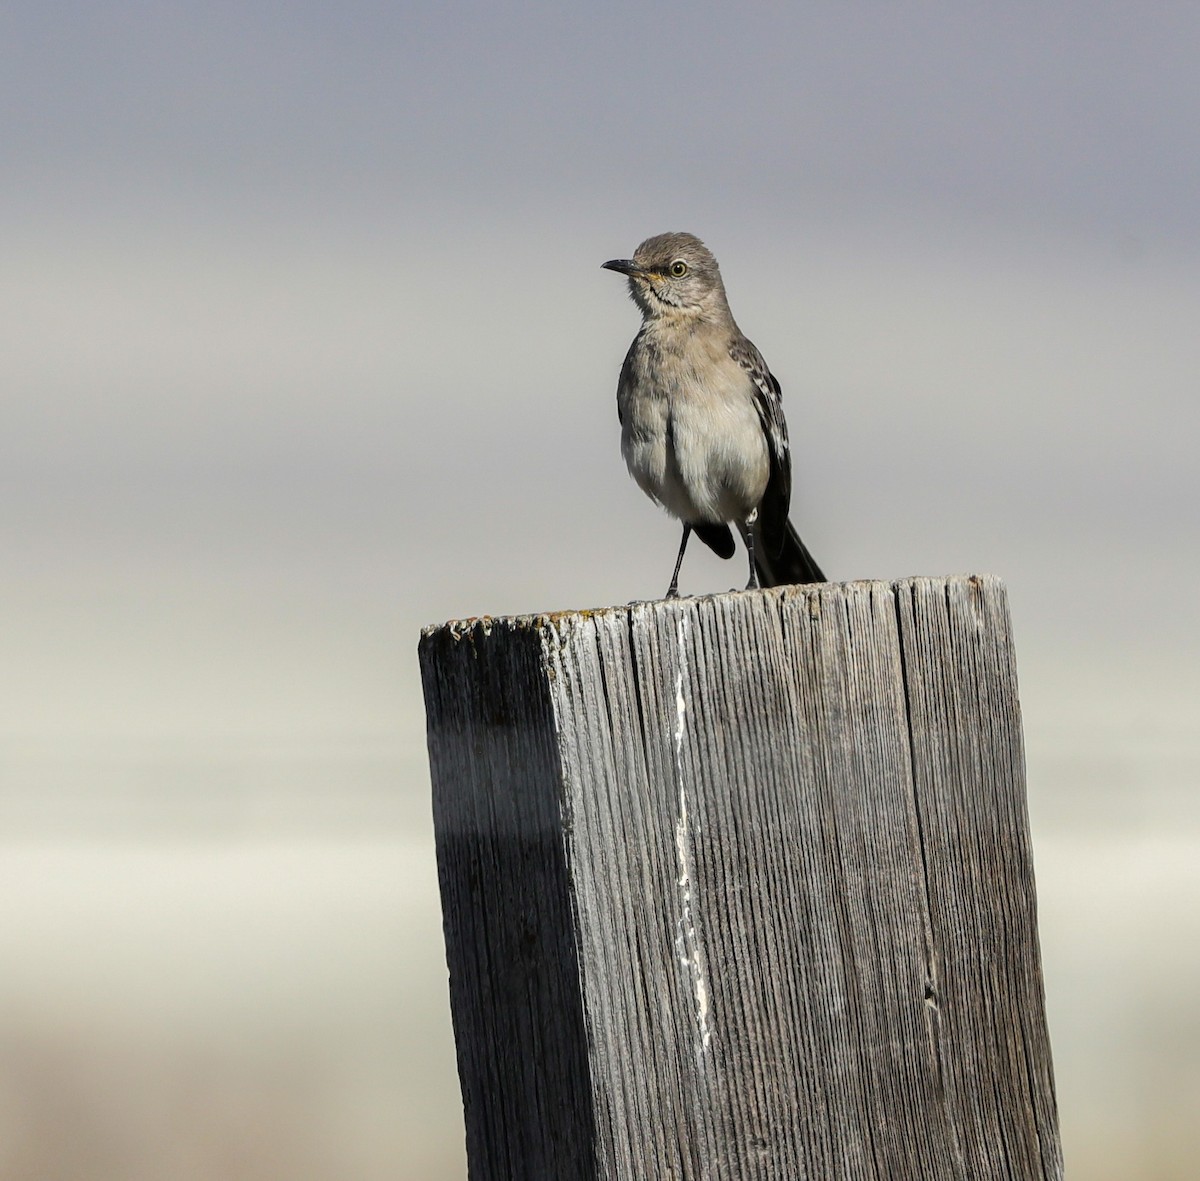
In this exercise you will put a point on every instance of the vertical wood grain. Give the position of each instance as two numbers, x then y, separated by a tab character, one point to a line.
740	887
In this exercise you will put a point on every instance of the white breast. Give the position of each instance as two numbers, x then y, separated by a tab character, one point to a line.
691	437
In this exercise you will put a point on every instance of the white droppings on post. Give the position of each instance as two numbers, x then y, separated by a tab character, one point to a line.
687	943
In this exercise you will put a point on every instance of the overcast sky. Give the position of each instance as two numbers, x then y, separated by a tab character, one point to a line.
307	298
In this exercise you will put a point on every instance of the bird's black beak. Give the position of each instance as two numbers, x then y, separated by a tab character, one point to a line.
623	266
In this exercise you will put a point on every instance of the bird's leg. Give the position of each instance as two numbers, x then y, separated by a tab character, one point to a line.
673	589
748	537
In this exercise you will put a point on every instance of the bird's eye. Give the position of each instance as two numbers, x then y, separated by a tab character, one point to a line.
679	268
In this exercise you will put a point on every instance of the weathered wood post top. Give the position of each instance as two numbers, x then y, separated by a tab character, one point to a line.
741	887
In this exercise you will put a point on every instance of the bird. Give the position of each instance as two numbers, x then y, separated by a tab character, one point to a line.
702	426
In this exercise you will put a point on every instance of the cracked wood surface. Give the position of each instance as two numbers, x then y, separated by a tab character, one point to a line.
741	887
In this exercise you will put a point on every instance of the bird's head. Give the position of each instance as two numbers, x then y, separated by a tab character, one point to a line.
673	275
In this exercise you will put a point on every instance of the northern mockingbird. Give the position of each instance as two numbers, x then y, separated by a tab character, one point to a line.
702	427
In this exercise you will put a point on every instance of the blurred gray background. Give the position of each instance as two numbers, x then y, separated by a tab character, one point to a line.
306	345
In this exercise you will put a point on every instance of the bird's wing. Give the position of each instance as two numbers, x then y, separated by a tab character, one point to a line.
768	401
624	383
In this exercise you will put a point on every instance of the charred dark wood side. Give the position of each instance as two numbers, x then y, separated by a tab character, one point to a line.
741	887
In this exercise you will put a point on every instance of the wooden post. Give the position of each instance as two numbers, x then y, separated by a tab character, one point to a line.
740	887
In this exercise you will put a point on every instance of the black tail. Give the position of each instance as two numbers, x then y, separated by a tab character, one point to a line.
718	538
794	564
